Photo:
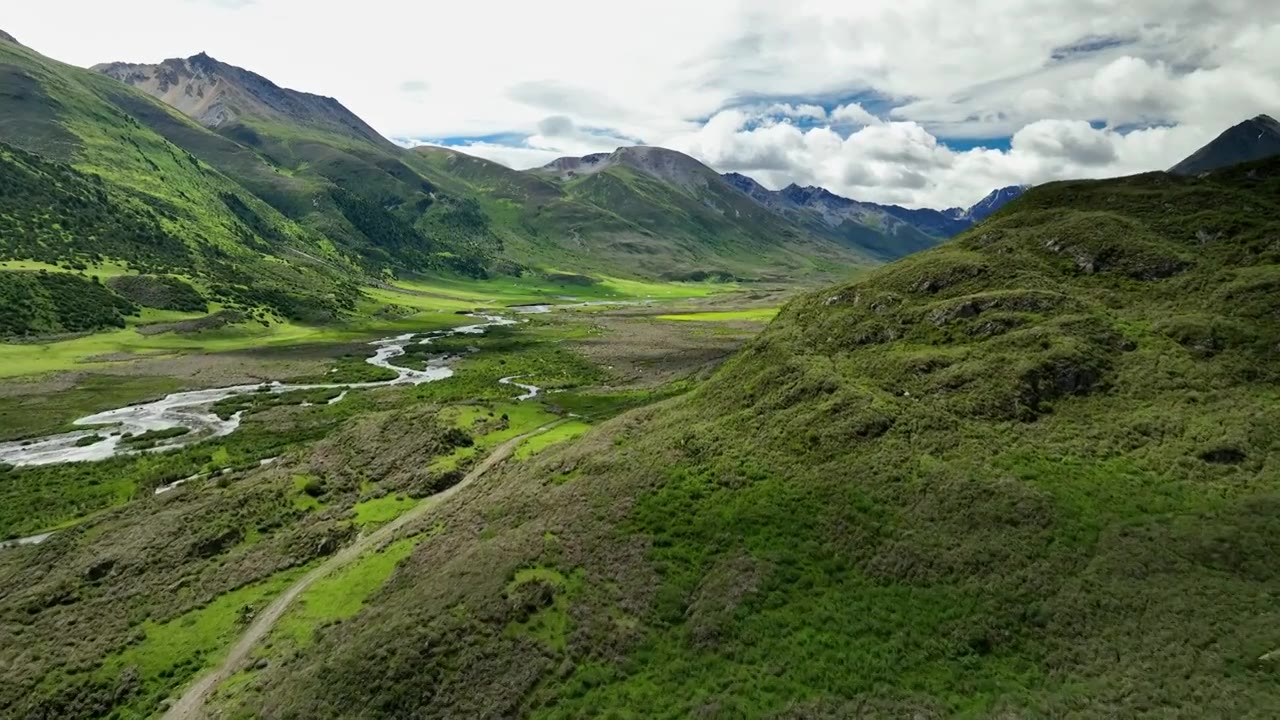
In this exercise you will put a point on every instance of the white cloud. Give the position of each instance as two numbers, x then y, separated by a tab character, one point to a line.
803	111
901	162
779	90
230	4
559	134
1072	141
853	114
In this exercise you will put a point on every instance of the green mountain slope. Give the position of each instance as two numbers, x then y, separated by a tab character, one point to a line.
651	210
86	182
1029	473
319	164
412	211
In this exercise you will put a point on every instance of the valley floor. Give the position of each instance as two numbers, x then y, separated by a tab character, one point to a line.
150	590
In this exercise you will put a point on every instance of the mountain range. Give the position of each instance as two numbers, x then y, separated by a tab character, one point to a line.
303	181
887	232
256	113
307	181
287	202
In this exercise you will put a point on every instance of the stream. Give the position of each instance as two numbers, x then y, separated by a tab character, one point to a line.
193	410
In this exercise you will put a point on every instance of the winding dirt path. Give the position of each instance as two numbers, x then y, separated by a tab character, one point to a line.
191	705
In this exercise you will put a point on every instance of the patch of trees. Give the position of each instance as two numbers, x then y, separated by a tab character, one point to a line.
298	293
453	235
460	228
257	226
43	303
389	234
162	292
56	214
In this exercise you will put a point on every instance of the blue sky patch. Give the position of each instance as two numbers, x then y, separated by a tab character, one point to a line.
1089	45
513	139
965	144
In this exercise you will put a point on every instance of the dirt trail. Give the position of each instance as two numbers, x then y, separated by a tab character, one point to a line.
191	705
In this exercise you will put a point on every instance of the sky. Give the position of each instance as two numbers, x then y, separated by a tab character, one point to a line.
925	103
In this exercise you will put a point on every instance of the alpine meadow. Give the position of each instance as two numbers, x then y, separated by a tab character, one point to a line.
595	361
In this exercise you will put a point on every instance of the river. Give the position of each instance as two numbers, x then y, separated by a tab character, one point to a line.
193	410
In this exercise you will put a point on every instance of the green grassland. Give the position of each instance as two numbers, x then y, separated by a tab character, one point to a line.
378	511
340	595
418	305
559	434
1029	473
557	286
129	231
179	648
240	544
86	351
103	269
1026	474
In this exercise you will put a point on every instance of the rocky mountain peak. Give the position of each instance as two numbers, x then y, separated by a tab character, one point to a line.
203	61
1253	139
811	194
217	94
994	200
6	37
668	165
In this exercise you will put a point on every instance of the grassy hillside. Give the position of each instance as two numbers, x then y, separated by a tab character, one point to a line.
687	225
85	181
1030	473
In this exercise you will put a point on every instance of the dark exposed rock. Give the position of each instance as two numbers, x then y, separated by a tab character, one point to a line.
993	327
216	544
1058	377
1125	262
1085	261
1157	268
100	569
942	316
1223	456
